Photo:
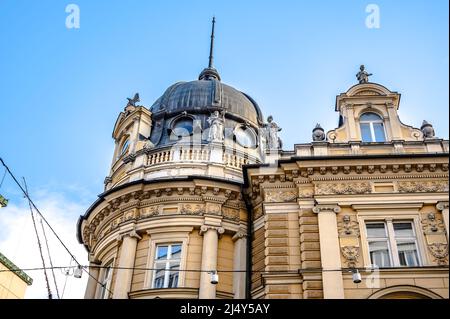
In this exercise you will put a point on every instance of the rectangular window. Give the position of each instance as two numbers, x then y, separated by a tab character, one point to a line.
392	244
378	240
406	244
166	266
106	282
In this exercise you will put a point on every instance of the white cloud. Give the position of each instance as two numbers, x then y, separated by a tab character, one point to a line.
18	242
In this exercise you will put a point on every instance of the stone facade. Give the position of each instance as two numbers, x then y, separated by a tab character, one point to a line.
273	224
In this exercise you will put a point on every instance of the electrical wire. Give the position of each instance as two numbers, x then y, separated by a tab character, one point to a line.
39	242
3	178
45	220
50	259
304	270
65	281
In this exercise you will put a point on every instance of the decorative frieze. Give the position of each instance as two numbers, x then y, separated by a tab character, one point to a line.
276	196
230	214
343	188
192	209
423	186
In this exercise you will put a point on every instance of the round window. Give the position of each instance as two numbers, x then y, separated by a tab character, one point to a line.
183	127
245	136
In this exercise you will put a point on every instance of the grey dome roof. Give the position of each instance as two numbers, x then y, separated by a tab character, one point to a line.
204	94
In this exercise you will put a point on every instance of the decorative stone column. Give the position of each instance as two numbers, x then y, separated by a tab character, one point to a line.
443	207
209	259
94	271
333	285
239	263
124	274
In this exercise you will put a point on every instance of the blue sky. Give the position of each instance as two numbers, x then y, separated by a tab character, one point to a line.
62	89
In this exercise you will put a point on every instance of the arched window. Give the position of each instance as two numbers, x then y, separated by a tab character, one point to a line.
124	148
183	127
372	128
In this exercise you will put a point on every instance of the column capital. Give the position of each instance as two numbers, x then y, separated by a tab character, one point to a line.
239	235
131	234
441	206
319	208
205	228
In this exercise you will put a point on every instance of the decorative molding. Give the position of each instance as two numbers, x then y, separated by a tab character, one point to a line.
432	225
239	235
305	192
326	208
278	196
351	255
204	228
12	267
372	177
213	209
230	214
192	209
343	188
347	226
423	187
129	158
441	206
440	252
151	211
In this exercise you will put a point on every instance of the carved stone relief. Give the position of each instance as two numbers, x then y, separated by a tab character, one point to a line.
423	187
432	224
343	188
276	196
192	209
440	252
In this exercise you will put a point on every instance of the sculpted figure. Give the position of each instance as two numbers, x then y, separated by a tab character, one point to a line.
216	126
362	75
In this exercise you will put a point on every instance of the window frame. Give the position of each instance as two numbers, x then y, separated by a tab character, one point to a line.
395	212
371	127
163	236
103	292
167	263
392	240
385	239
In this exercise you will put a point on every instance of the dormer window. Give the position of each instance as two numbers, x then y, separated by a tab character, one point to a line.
372	128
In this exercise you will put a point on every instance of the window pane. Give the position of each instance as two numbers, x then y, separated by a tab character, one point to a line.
176	252
173	276
379	132
158	281
183	127
403	230
370	117
161	252
376	230
407	253
379	253
365	132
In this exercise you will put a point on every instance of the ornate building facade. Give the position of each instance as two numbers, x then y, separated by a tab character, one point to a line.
200	186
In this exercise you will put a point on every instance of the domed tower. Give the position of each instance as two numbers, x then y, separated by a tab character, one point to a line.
173	213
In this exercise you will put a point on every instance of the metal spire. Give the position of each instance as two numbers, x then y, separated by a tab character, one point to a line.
210	73
211	48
